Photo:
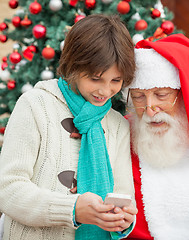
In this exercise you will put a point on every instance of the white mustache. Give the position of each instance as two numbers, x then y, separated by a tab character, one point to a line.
159	117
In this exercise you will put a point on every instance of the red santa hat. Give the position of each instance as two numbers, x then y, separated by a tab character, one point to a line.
158	72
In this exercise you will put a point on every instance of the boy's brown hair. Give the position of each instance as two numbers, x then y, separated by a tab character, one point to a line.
93	45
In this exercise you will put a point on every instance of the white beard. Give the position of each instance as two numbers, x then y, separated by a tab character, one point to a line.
161	146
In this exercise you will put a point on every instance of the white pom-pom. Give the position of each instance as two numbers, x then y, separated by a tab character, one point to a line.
26	87
137	37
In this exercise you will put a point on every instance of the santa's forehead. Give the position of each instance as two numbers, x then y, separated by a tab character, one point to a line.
155	89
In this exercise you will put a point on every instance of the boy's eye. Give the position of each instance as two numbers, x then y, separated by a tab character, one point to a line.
116	80
95	79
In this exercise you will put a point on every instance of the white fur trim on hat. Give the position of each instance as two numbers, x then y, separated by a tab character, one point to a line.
153	70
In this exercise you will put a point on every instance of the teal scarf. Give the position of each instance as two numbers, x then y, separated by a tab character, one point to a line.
94	173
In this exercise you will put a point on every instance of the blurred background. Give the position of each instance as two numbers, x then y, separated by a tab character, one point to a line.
5	12
180	8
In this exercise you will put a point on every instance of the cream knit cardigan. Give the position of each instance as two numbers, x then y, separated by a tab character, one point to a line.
36	149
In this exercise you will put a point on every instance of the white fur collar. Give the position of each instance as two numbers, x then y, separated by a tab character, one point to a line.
166	200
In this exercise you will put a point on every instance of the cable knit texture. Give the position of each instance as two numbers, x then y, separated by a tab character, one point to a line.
36	149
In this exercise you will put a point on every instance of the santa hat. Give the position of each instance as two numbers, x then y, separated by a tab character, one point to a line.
153	70
164	63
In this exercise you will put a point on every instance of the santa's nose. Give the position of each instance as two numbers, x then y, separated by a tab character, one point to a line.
150	111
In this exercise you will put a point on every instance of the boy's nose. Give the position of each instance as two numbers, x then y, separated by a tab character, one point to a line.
104	91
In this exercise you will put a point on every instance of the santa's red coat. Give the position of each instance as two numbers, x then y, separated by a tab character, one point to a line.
141	228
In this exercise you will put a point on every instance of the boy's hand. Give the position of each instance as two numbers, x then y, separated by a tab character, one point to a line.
90	209
129	215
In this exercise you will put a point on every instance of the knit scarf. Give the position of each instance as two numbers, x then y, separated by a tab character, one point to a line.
94	173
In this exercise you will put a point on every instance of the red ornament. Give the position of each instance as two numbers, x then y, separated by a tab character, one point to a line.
2	130
168	27
79	17
3	38
127	0
13	4
73	3
123	7
4	59
39	31
15	57
11	84
3	26
4	65
90	4
35	7
158	34
141	25
26	22
155	13
32	48
28	53
48	52
16	21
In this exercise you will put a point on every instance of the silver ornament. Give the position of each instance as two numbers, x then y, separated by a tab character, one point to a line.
47	74
19	12
107	1
55	5
61	45
5	75
16	46
21	63
136	16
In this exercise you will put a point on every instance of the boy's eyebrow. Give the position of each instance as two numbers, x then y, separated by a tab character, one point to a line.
96	76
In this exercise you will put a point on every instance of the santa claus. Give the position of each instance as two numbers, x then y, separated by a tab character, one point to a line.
159	113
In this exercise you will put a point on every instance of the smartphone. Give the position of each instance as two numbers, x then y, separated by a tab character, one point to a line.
119	200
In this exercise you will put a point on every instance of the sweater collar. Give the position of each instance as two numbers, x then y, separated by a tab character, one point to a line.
51	86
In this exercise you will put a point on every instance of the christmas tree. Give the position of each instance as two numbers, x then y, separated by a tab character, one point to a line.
40	30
